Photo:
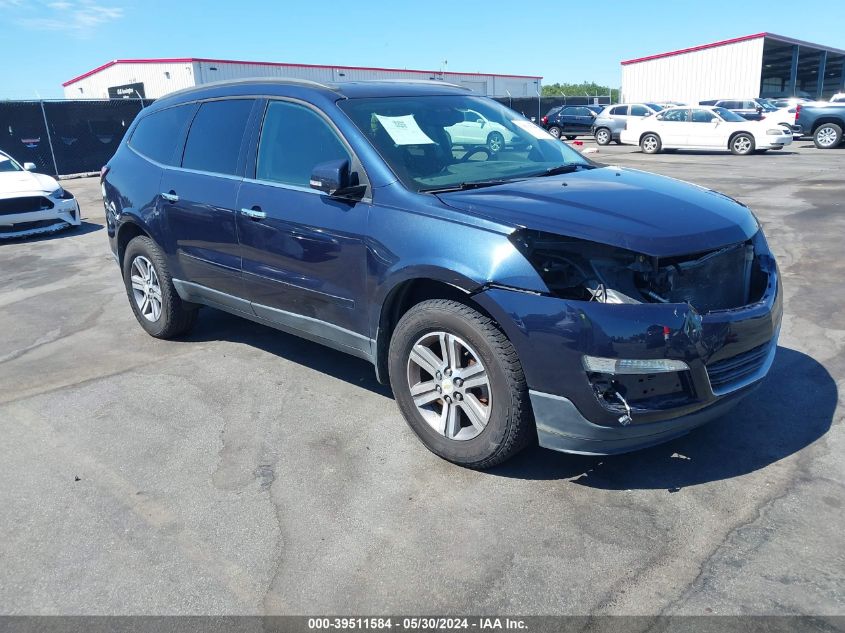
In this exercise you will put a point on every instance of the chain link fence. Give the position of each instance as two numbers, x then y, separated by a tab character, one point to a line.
65	137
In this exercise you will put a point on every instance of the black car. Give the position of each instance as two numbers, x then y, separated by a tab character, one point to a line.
569	121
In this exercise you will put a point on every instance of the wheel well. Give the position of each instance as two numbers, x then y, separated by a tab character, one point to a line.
737	133
644	134
821	121
401	299
126	234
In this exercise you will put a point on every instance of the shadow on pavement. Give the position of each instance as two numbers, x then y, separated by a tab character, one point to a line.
792	408
69	231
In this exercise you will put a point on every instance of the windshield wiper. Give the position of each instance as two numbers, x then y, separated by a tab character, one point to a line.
477	184
566	168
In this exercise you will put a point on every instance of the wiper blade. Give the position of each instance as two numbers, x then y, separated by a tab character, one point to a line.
478	184
566	168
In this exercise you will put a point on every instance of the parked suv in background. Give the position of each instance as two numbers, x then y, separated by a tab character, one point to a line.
751	109
568	121
505	296
612	120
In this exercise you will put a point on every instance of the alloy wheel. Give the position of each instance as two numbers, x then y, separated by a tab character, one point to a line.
146	288
650	144
742	144
449	385
496	143
602	137
826	136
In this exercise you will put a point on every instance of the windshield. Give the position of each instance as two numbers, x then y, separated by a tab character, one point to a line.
7	163
729	116
444	142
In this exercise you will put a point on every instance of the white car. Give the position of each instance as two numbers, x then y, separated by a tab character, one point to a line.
839	97
476	130
32	203
705	128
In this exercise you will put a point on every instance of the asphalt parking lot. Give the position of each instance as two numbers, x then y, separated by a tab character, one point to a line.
241	470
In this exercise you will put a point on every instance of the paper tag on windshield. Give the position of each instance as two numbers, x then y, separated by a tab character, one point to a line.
534	130
404	130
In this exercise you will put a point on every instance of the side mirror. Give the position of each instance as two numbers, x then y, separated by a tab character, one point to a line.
714	121
330	177
29	166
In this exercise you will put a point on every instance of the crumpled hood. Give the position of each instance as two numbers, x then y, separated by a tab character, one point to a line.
627	208
14	183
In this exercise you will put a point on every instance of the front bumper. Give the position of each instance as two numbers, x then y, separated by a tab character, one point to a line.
728	353
772	141
64	212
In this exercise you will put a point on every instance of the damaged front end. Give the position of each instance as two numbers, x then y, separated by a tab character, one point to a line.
720	279
648	346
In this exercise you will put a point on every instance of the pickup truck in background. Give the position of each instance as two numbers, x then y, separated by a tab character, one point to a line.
824	122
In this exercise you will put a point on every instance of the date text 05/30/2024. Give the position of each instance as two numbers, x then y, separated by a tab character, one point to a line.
417	623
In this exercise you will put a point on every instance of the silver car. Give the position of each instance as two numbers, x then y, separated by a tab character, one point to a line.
613	119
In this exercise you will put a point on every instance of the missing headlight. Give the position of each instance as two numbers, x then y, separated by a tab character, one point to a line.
724	278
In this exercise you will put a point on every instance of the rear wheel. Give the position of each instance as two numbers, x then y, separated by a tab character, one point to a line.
650	143
603	136
742	144
459	384
153	297
554	131
828	135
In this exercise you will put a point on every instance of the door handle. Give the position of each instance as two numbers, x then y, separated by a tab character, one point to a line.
170	197
254	214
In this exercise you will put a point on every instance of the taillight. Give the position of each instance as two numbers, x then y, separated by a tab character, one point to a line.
545	120
797	112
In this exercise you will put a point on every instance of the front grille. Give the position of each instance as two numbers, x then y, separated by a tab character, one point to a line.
732	372
10	206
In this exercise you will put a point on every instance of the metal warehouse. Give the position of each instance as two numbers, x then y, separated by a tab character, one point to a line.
760	65
153	78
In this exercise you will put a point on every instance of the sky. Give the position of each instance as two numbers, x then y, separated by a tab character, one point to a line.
47	42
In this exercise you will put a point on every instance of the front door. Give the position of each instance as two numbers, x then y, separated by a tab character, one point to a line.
702	131
199	198
304	256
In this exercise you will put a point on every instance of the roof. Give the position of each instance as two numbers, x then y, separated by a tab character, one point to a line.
734	40
350	89
177	60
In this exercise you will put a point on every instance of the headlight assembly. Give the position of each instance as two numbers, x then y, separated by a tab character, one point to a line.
574	269
61	194
774	132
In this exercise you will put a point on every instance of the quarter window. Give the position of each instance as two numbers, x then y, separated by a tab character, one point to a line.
294	139
156	134
214	141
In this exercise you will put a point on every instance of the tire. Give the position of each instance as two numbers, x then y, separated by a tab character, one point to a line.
742	144
827	136
495	142
173	316
571	137
651	143
554	131
603	136
502	398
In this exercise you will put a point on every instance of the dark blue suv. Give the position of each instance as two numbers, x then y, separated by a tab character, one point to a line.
507	295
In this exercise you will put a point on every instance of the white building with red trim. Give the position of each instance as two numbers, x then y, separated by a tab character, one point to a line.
153	78
759	65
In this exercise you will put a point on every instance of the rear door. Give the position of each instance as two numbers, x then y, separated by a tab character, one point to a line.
673	127
200	200
304	256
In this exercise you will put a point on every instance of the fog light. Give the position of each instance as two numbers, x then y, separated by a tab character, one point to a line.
632	366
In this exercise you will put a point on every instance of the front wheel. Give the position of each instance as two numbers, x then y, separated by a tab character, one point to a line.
650	144
742	144
153	297
459	384
827	136
603	136
495	142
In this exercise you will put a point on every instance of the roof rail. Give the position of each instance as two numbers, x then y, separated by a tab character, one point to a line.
251	80
436	82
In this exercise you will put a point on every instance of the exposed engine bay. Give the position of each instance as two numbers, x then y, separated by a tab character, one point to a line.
725	278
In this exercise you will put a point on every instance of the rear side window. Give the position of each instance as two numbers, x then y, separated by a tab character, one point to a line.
619	110
639	110
294	139
157	133
214	141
